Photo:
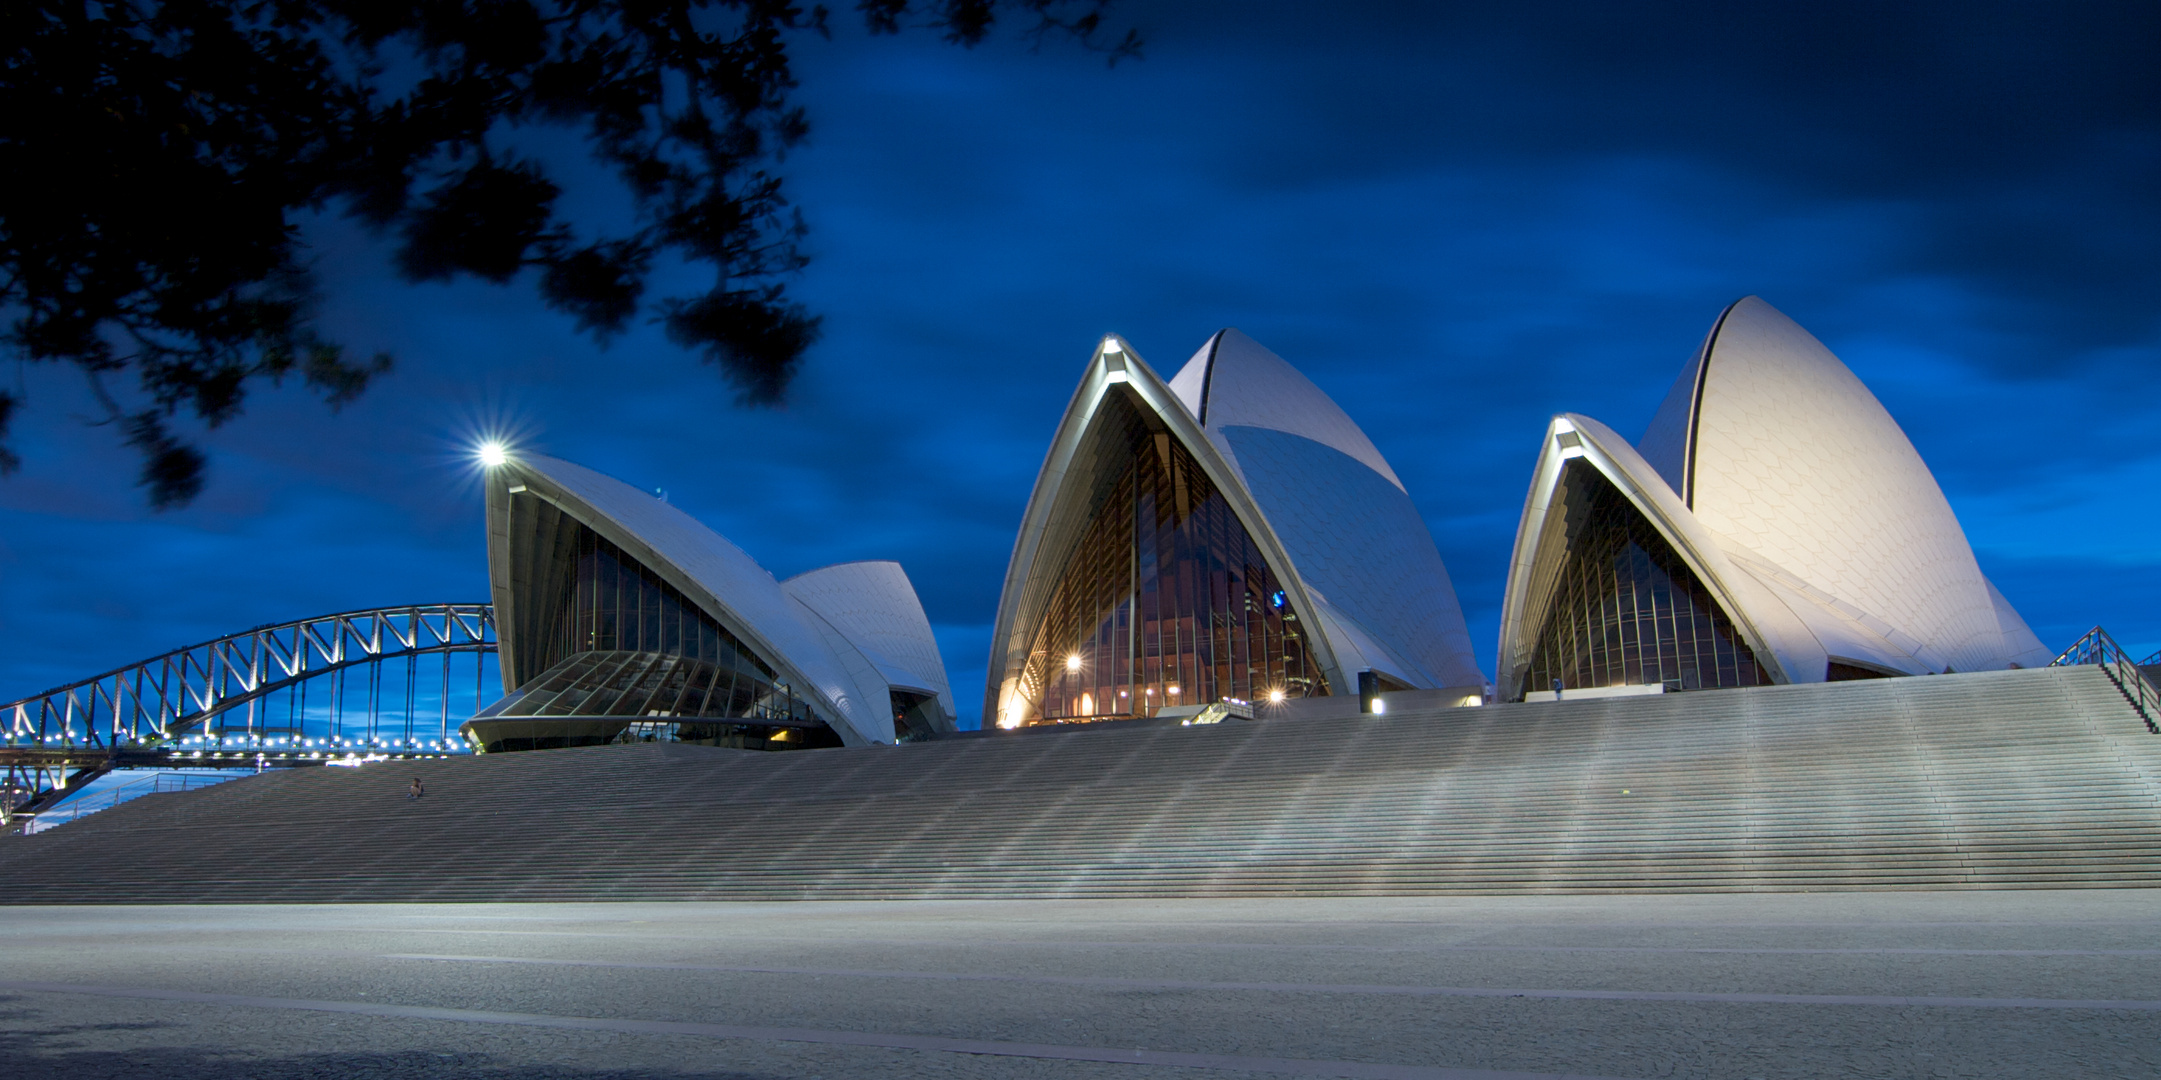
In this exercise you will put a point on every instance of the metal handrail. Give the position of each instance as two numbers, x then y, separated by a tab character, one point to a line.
84	805
2099	649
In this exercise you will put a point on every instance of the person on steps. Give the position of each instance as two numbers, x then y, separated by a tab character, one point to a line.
417	790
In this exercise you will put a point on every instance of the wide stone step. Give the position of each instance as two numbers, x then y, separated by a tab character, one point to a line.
2042	779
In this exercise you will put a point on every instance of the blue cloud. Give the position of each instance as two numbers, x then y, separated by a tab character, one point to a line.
1457	220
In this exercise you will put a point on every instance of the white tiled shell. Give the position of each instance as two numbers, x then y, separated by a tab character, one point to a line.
1358	543
743	597
1352	533
1798	466
1234	381
1779	637
1790	623
1841	631
2020	644
1665	443
876	607
1319	500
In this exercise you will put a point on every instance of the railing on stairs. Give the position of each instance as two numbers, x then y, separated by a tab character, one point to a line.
84	805
2100	649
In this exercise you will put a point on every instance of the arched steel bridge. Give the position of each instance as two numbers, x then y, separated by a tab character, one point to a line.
241	701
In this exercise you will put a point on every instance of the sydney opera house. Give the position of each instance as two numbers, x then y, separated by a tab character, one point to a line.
1227	534
1223	543
1773	525
621	618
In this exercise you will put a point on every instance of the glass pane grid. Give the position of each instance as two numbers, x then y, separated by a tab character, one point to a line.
626	646
1626	610
1166	600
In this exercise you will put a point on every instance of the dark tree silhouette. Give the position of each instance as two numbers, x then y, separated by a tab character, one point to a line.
157	154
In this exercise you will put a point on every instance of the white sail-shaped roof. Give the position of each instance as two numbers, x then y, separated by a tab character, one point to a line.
874	605
1784	454
1234	381
1350	529
1780	641
1310	489
1778	464
785	628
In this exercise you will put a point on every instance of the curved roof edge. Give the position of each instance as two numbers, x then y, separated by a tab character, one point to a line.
1669	444
1795	627
1050	521
1360	649
2020	644
1337	506
1798	462
876	607
1234	380
1360	544
704	566
1847	634
1780	640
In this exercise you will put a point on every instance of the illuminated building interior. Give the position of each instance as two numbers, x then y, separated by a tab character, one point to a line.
1166	600
625	649
1773	525
1627	611
624	619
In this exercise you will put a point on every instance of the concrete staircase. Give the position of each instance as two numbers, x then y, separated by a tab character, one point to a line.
2019	779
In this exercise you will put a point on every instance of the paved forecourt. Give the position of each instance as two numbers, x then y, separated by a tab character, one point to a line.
1970	984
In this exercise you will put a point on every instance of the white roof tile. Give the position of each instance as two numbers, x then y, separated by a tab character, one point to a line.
787	631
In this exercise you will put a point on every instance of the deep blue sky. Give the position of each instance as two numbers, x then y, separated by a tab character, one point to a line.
1457	219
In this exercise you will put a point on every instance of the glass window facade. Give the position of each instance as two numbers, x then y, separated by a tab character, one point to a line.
650	684
611	602
1166	599
1626	611
626	646
615	696
913	716
1837	672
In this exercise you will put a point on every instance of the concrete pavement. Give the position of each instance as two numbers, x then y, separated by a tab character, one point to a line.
1896	984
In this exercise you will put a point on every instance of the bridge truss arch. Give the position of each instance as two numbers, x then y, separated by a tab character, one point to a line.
243	700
